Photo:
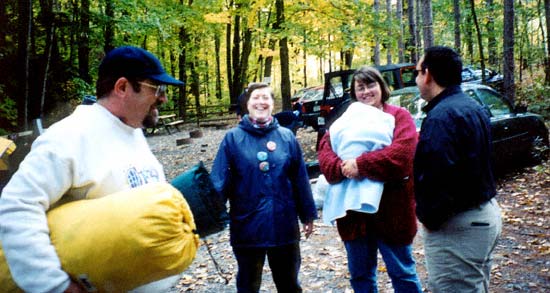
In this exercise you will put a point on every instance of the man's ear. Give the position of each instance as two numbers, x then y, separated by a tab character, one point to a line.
122	86
427	76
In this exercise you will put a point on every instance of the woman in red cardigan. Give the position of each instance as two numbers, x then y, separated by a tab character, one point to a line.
392	229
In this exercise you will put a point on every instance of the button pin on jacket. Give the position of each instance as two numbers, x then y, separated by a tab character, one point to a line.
264	166
271	146
262	156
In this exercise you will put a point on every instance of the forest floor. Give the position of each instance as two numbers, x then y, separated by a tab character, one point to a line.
521	259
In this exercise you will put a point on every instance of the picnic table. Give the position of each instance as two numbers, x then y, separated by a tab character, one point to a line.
169	122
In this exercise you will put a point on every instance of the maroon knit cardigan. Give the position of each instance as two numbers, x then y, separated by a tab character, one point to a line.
395	221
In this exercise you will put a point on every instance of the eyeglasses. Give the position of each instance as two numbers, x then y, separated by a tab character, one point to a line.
160	89
363	87
417	72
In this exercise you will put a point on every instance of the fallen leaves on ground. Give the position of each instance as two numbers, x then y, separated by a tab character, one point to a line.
521	258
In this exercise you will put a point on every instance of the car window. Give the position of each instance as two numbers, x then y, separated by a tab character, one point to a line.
407	74
310	95
491	101
299	94
390	81
338	86
405	100
467	75
412	102
306	96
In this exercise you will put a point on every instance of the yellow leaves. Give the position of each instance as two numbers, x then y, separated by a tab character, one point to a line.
267	52
220	17
520	258
525	242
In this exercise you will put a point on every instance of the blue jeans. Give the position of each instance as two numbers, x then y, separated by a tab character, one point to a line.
284	262
362	264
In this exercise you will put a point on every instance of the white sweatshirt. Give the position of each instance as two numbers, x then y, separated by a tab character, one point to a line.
89	154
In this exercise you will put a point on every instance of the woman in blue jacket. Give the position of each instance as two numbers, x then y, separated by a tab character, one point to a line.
259	168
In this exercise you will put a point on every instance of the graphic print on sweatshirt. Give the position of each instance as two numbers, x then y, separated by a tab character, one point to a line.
137	177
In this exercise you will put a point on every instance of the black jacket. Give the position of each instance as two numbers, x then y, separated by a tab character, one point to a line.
452	166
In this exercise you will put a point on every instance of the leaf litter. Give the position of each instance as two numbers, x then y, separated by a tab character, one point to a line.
521	258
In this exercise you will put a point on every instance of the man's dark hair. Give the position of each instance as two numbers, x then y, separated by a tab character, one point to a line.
368	74
106	85
444	65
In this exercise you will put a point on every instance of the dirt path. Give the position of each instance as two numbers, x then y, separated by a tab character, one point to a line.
522	257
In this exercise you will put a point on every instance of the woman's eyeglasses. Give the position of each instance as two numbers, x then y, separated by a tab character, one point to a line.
160	89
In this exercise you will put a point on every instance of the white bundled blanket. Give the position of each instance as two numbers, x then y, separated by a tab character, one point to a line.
362	128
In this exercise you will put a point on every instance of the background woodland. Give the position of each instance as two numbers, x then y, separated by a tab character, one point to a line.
50	49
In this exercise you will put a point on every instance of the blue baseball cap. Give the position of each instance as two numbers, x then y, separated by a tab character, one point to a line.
129	61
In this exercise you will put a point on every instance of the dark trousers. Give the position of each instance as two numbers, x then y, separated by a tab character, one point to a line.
284	262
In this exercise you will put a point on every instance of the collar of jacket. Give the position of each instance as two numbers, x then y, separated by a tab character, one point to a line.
449	91
247	125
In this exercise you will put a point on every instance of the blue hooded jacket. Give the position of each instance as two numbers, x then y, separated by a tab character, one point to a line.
264	204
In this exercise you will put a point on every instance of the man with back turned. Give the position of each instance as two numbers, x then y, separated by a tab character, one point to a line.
454	184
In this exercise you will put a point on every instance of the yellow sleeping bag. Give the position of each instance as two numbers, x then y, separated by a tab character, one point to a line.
123	240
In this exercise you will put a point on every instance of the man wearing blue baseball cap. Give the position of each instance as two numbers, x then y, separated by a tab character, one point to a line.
139	69
97	150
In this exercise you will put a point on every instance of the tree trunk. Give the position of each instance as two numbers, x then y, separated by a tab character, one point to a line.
236	84
285	74
3	24
266	61
508	66
245	54
348	58
265	41
469	36
217	45
194	88
83	42
456	13
73	38
412	42
388	37
547	18
228	64
400	45
491	35
173	65
525	45
109	31
283	55
329	54
182	98
418	31
24	43
427	17
376	56
48	20
479	39
269	60
304	59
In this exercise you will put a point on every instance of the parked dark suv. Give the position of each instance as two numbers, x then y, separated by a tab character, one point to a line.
337	89
492	78
519	137
309	105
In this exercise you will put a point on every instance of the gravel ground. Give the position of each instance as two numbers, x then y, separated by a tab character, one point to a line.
522	257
